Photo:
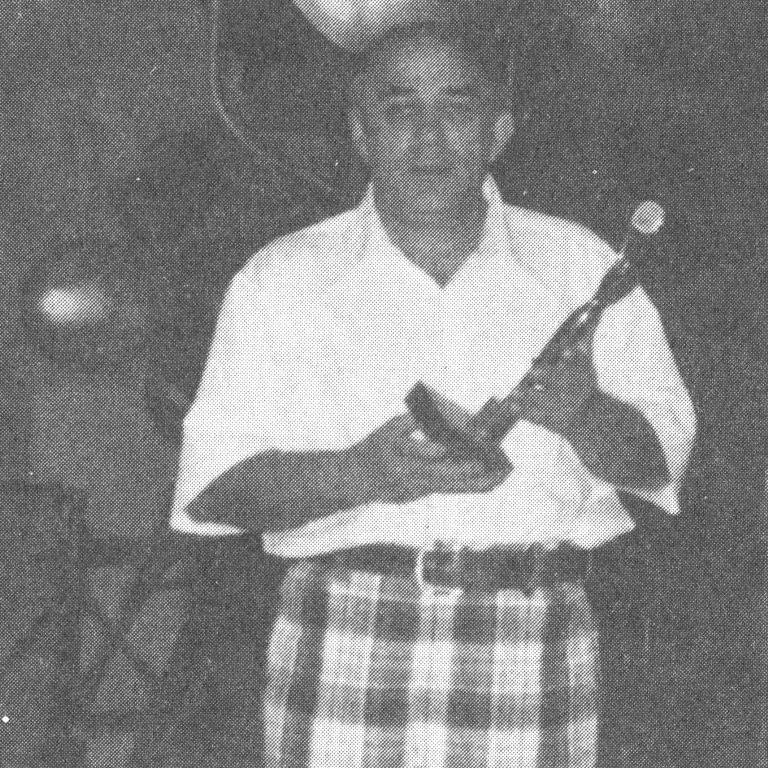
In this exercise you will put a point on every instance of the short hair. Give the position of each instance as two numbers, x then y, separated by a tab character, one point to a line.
476	41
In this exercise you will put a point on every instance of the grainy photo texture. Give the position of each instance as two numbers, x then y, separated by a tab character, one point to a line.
384	384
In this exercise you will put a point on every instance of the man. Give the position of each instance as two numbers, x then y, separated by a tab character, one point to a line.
433	612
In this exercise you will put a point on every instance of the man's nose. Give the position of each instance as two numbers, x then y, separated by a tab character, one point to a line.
429	128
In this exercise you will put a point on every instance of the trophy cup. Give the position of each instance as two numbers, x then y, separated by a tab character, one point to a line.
478	436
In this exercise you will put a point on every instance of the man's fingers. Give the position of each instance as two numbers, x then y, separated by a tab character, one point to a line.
419	477
475	483
470	474
422	449
483	484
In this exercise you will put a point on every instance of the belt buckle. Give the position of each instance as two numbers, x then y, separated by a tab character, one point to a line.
421	554
418	570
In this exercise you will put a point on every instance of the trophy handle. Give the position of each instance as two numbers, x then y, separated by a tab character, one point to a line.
491	422
466	436
480	435
441	419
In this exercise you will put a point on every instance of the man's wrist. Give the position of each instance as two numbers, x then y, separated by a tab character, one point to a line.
618	444
363	476
584	419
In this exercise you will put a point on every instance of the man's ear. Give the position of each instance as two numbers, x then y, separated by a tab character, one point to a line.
502	133
357	131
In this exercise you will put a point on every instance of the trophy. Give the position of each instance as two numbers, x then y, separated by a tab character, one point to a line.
478	436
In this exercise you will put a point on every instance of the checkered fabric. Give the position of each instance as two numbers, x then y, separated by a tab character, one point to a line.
372	671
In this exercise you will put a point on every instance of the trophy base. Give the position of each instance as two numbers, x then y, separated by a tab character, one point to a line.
447	423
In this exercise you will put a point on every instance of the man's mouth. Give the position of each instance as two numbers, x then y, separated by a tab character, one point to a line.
430	170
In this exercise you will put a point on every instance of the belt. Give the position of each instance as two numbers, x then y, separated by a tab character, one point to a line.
486	570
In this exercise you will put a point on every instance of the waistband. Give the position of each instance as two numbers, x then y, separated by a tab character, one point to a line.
487	570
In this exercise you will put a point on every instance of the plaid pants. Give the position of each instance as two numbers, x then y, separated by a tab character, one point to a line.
371	671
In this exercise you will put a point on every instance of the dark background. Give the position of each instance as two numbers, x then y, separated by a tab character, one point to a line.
115	162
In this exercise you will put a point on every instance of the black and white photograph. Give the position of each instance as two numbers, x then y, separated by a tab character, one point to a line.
384	384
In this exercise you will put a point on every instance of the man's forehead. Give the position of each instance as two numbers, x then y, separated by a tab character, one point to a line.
425	65
393	90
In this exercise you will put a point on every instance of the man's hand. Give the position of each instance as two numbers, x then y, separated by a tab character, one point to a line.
400	468
558	395
613	439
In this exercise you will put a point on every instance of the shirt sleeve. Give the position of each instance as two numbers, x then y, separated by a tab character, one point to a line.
634	363
241	404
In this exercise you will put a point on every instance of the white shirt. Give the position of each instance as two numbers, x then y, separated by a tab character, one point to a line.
324	332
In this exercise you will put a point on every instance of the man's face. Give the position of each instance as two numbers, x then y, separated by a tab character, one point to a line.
425	121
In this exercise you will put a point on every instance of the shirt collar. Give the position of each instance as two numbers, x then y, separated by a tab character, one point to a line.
377	245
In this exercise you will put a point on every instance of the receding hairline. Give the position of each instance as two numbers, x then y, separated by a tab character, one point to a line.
477	47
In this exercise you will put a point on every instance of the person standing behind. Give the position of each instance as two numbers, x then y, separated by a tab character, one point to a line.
433	612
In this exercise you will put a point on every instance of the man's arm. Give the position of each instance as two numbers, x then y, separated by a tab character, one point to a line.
616	443
277	490
619	400
613	439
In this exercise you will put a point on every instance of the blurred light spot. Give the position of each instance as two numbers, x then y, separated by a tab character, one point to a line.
351	23
75	304
5	719
648	217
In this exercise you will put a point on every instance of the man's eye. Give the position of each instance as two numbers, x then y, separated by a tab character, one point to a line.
399	110
460	108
